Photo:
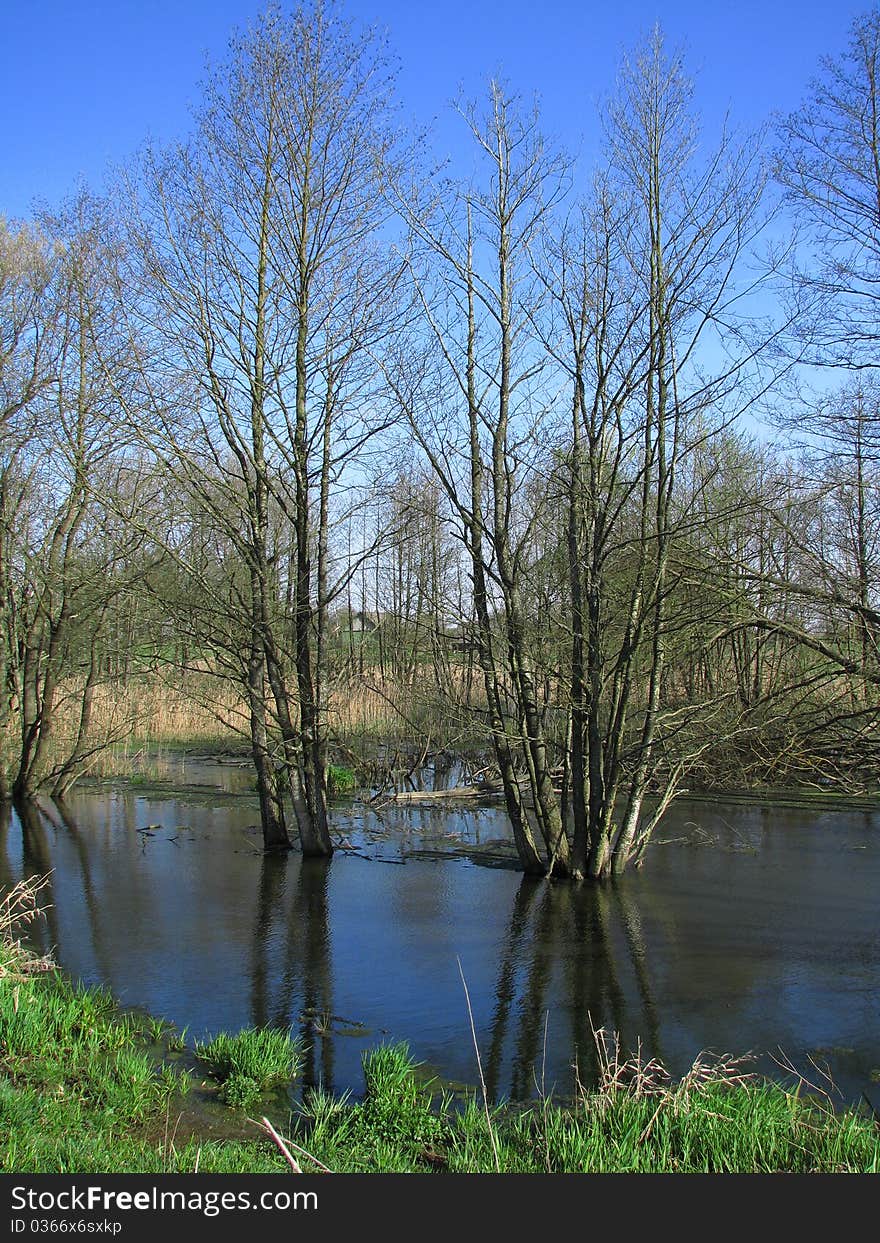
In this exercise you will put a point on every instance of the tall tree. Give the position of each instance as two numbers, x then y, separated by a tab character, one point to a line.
29	345
264	287
477	355
64	565
667	240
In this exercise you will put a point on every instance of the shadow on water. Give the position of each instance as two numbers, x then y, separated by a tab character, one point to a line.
92	898
747	930
300	984
290	974
36	860
544	918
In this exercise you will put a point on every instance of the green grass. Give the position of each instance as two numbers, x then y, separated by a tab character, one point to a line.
176	1040
760	1129
398	1127
81	1091
247	1064
341	780
704	1126
79	1094
75	1077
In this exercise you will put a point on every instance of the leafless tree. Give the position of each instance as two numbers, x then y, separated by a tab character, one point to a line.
264	286
829	167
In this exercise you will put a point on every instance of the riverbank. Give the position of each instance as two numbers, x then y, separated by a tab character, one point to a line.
84	1090
382	732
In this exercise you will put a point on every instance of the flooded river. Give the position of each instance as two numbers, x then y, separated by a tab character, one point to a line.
750	928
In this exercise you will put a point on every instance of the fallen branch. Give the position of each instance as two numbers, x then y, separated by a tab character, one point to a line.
279	1143
284	1146
418	796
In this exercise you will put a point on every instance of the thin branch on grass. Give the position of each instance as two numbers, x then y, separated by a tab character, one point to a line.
544	1101
279	1143
480	1068
785	1063
285	1144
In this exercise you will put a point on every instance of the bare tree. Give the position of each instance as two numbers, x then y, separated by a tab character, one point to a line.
657	285
264	288
829	166
478	353
29	343
63	568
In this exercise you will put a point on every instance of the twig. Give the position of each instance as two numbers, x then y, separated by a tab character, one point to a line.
479	1067
282	1144
279	1143
647	1131
304	1153
544	1101
169	1144
786	1064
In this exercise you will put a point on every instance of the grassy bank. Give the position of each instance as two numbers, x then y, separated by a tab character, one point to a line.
83	1090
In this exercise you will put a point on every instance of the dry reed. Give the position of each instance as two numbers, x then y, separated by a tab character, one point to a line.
636	1076
19	907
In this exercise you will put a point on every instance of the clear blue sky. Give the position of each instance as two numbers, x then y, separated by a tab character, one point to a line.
83	82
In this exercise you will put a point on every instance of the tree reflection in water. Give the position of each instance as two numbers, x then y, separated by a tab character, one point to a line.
589	935
291	958
36	861
713	946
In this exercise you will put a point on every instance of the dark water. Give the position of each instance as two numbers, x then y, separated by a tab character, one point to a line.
749	929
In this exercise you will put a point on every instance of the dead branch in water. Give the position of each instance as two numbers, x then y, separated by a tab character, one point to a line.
418	796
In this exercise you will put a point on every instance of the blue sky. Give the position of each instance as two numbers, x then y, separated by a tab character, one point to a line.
83	82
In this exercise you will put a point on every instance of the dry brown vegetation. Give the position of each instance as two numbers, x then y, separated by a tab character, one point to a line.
19	907
201	710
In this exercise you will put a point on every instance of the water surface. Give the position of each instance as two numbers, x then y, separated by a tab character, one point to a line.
750	928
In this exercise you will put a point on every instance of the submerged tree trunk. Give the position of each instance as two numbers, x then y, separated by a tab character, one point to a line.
271	805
